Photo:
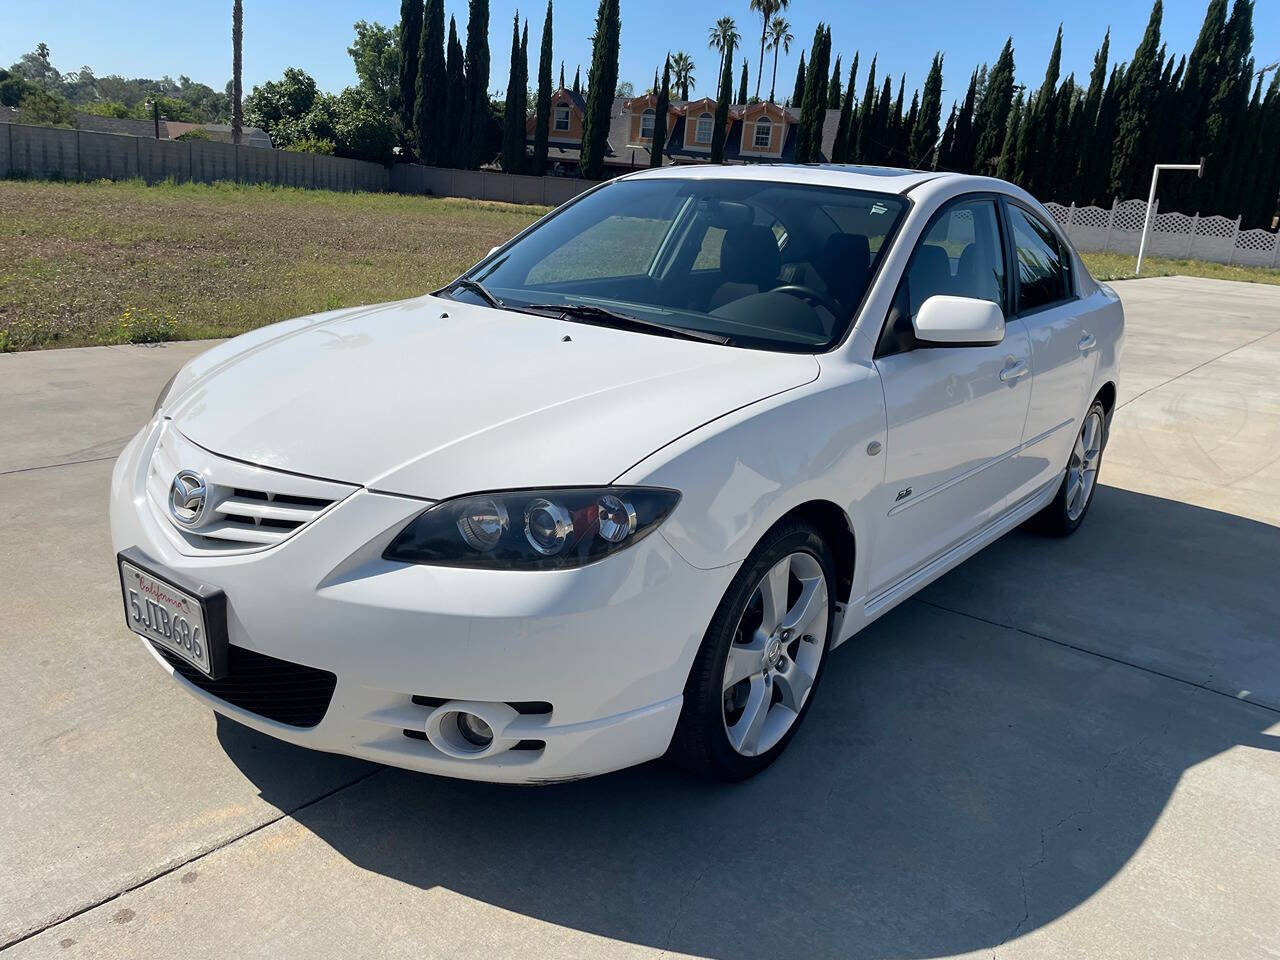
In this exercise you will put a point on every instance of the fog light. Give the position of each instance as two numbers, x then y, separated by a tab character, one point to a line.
474	730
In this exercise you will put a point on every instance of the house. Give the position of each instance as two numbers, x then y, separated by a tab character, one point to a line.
757	132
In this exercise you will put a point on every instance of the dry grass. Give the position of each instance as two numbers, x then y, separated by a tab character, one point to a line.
123	262
1119	266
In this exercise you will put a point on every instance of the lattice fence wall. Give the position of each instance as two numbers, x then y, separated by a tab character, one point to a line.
1173	234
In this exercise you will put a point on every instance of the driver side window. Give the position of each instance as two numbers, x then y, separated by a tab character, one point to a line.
960	255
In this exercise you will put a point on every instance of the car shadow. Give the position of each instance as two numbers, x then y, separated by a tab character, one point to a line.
958	783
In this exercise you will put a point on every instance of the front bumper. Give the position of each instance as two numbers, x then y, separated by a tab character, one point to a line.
608	646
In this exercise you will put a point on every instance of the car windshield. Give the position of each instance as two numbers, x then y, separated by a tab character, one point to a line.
777	266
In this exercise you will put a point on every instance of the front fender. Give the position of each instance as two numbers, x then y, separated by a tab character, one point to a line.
740	474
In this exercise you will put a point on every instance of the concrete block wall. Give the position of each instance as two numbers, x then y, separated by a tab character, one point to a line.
58	153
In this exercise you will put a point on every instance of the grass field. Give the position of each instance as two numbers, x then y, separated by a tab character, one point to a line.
98	263
105	262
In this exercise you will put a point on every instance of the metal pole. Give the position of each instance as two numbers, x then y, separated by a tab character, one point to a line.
1151	199
1146	222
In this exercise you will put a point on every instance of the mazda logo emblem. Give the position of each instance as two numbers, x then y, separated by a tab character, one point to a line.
187	498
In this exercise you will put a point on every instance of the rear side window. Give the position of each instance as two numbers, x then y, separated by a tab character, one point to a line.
959	256
1043	277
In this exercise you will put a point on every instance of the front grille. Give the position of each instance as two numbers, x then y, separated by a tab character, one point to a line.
276	689
249	508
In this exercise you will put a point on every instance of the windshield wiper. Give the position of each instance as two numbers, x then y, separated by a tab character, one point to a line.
604	317
478	288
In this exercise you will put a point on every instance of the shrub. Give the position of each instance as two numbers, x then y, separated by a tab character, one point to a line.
46	109
194	135
312	145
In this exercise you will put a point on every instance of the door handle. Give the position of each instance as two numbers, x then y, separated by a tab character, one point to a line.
1014	372
1088	342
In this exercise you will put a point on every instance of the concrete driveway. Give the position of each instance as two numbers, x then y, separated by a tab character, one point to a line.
1064	748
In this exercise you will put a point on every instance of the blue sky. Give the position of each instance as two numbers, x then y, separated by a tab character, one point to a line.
137	38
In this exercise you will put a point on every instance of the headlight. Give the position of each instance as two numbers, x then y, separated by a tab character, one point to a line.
164	393
532	529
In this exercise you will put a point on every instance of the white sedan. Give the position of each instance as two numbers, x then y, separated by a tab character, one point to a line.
619	490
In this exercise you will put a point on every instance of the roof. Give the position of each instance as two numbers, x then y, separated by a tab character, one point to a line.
847	175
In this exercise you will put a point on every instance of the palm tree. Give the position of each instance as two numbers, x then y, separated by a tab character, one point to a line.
722	36
766	9
682	71
237	46
779	36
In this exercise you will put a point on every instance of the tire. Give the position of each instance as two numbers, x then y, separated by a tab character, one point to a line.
1067	510
703	743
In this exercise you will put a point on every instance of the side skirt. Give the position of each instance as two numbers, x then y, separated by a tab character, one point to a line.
859	613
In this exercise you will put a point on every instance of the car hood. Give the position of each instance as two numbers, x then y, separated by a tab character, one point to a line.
433	398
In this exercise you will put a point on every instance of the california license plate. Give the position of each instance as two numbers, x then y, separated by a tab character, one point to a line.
173	616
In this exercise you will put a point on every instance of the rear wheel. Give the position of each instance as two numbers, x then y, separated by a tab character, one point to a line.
760	661
1067	510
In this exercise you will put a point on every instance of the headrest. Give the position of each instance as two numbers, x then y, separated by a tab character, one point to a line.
750	255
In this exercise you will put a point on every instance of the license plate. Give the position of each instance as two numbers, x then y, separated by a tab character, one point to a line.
178	617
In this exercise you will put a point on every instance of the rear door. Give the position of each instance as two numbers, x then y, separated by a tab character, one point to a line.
1062	350
955	413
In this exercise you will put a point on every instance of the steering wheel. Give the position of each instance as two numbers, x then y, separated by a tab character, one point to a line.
810	295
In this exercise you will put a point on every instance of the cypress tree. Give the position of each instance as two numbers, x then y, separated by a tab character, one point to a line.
561	87
404	97
429	101
947	145
909	126
964	142
659	144
724	92
842	150
513	109
863	145
898	132
1268	180
1087	144
1128	165
542	111
476	110
992	117
1006	169
833	88
1036	156
602	81
742	83
1200	83
577	80
813	108
1228	107
881	125
455	103
924	132
797	97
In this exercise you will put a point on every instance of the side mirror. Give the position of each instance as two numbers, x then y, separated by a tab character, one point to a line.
959	322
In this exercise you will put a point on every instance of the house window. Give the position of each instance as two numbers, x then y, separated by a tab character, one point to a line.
764	132
703	133
646	123
562	118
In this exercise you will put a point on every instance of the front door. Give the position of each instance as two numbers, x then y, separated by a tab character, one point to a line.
955	414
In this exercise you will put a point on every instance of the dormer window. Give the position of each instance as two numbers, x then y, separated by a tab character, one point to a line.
647	120
562	118
764	134
702	134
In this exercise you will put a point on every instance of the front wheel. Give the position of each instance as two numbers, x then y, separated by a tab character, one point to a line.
761	659
1066	511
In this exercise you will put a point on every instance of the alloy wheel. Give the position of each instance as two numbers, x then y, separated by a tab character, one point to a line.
775	654
1082	471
